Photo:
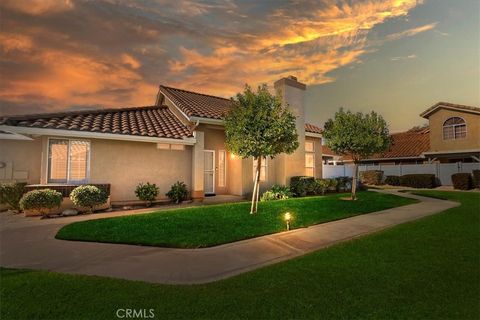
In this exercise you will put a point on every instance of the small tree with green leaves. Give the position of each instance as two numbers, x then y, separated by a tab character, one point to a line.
259	126
356	135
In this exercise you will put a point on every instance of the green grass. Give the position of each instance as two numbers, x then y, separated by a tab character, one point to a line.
426	269
213	225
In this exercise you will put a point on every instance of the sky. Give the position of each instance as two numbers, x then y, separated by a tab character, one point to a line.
396	57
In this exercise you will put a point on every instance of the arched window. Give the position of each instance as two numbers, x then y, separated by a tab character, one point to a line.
454	128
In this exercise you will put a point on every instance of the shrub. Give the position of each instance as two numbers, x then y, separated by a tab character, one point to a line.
462	181
11	193
147	192
476	178
41	200
178	192
343	183
418	180
277	192
392	180
302	185
322	185
373	177
88	196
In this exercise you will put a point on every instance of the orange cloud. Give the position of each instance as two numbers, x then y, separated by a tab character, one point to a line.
37	7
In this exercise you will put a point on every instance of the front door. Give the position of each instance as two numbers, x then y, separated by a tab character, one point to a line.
209	175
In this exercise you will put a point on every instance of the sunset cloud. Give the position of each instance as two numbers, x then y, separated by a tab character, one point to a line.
65	54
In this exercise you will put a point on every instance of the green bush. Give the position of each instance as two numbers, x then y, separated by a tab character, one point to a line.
343	183
178	192
392	180
372	177
418	180
462	181
11	193
302	185
41	200
322	185
276	192
147	192
476	178
88	196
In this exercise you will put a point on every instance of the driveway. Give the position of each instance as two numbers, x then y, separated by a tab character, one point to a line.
30	243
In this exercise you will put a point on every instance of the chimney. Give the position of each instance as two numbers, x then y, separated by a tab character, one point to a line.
292	93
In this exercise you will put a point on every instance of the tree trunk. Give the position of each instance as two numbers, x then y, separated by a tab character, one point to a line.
256	187
354	180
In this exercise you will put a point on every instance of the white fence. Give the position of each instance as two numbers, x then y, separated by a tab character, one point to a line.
443	171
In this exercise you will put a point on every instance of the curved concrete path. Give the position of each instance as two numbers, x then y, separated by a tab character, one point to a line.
31	244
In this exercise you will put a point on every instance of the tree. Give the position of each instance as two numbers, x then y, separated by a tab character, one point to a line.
356	135
259	126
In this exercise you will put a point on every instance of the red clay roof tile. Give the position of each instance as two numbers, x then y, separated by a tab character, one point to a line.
149	121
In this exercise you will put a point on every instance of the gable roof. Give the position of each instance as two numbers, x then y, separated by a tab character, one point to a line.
148	121
201	105
450	106
197	104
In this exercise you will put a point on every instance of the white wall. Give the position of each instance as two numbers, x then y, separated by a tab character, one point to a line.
443	171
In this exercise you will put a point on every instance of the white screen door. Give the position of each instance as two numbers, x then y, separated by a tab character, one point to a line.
209	176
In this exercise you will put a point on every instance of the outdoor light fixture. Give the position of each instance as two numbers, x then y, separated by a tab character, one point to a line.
288	217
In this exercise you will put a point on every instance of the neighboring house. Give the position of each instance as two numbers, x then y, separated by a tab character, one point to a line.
181	137
452	135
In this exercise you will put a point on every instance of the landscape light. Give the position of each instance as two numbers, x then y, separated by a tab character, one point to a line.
288	217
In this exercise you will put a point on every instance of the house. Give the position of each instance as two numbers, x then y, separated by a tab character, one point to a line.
179	138
452	135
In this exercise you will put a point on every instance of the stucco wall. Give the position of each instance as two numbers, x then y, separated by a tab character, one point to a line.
22	160
125	164
472	140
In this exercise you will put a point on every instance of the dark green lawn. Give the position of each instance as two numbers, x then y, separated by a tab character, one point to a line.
213	225
427	269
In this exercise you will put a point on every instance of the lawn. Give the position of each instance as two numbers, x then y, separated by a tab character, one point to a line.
207	226
426	269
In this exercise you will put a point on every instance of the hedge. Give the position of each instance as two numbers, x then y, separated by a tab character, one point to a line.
300	186
418	180
392	180
476	178
373	177
462	181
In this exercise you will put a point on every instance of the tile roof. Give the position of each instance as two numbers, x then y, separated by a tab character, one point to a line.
448	105
149	121
207	106
409	144
326	151
312	128
197	104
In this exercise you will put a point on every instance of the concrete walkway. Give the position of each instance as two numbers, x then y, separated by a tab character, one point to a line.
32	245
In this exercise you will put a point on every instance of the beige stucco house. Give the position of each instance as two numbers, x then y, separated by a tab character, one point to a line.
452	135
180	138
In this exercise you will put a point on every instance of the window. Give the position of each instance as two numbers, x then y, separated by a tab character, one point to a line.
309	158
221	168
68	160
454	128
263	169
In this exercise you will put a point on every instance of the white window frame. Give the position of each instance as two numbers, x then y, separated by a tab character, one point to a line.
264	164
453	127
224	152
313	155
68	181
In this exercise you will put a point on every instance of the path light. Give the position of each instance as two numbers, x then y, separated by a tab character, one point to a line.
288	217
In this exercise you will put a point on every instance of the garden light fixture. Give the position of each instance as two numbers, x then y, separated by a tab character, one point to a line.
288	217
